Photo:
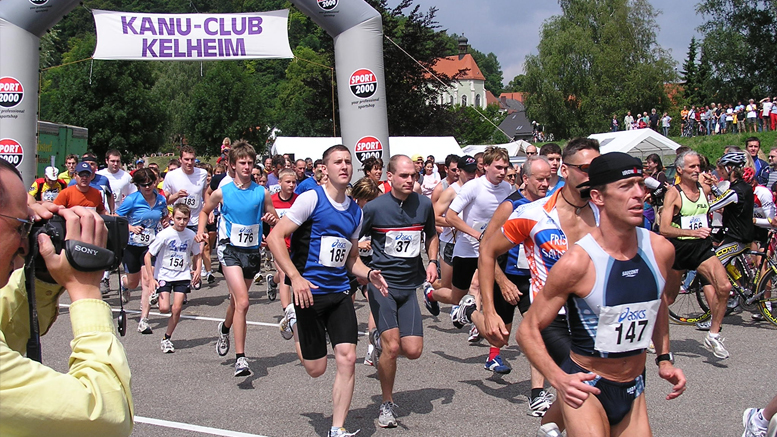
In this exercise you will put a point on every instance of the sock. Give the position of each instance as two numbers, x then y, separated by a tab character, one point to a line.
535	392
239	355
167	337
224	329
711	335
492	353
760	420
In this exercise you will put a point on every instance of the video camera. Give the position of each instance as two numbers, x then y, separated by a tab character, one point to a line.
82	256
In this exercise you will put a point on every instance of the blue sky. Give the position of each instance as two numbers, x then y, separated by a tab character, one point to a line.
510	28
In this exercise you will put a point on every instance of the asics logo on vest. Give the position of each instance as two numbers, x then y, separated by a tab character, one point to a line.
627	314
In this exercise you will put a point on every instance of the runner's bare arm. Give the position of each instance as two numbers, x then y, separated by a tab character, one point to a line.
357	268
277	244
270	216
211	203
509	290
574	273
490	248
665	253
441	206
432	250
457	222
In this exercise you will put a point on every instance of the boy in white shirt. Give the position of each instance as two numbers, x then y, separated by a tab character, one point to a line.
174	249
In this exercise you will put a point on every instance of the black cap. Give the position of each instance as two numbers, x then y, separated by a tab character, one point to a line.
612	167
468	164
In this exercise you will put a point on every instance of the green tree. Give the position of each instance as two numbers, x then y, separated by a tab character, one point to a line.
477	126
113	99
491	69
595	59
516	85
226	103
740	42
689	73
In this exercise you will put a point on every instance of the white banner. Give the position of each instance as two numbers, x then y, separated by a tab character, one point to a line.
190	37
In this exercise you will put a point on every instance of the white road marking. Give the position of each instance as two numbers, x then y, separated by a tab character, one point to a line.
195	428
184	316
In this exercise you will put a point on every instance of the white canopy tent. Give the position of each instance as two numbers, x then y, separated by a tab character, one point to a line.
639	143
514	148
314	147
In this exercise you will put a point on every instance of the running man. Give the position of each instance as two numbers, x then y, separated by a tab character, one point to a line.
546	228
552	151
282	202
469	214
684	222
619	268
324	224
395	223
244	206
119	180
512	278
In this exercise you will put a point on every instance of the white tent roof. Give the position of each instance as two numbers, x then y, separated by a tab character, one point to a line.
314	147
639	143
513	148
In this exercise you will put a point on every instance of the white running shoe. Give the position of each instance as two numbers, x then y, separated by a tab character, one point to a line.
287	323
222	343
167	346
144	327
241	367
387	417
716	346
474	335
752	428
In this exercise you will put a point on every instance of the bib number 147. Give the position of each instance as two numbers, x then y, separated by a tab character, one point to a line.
631	331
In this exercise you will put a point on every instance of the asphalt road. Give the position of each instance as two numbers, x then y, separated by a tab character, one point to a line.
445	392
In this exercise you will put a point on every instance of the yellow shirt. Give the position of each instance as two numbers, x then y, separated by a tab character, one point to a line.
65	176
93	398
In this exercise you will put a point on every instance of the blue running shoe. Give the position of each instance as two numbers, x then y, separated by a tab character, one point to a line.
498	366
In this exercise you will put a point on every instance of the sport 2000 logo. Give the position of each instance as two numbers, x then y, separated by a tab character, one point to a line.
363	83
11	92
39	2
327	5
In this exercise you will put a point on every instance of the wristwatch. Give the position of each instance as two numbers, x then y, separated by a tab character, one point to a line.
435	262
665	357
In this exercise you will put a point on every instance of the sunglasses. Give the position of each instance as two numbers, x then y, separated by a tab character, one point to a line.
582	167
511	176
530	153
24	228
150	184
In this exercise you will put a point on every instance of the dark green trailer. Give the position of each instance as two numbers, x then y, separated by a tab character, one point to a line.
59	140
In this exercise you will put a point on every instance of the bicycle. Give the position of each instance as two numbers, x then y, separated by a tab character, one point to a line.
750	290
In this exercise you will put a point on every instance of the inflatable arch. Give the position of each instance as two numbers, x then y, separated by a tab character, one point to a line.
355	26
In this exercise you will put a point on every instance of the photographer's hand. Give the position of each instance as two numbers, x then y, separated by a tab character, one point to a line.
82	225
43	210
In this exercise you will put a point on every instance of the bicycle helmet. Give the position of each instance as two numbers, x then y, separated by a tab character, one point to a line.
735	159
748	174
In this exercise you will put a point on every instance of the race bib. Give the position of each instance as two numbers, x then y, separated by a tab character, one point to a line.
49	196
244	235
192	202
362	252
627	327
694	222
334	251
523	263
403	244
144	238
174	261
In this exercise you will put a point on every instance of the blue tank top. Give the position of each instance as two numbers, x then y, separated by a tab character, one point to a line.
241	216
320	246
517	254
616	319
140	213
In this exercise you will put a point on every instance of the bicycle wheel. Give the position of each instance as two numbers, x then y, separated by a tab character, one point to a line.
767	289
689	307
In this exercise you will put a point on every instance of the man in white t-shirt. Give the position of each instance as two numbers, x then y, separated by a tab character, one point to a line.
187	185
119	180
752	114
469	214
766	108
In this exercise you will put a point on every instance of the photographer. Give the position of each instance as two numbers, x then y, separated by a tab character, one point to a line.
94	397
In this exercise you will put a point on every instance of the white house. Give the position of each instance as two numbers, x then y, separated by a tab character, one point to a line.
468	89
